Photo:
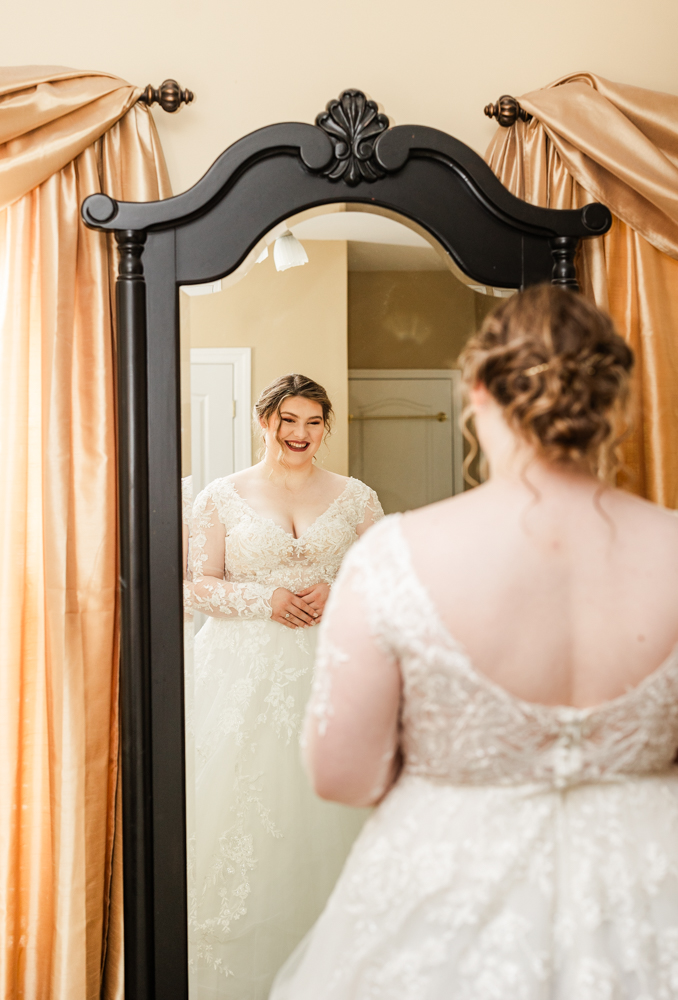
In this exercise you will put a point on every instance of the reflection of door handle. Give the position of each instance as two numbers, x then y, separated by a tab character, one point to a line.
440	417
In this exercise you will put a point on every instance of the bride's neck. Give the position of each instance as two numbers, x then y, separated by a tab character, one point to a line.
513	461
293	478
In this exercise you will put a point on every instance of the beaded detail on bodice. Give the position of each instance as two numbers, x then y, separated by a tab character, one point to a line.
460	727
257	555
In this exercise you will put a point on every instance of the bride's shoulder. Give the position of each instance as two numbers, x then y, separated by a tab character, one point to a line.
456	517
642	523
217	493
359	502
332	482
344	488
642	509
457	507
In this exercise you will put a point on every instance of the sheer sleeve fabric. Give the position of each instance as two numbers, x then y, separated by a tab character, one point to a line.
351	734
373	512
213	595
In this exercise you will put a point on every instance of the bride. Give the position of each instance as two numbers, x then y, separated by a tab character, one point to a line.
516	648
266	545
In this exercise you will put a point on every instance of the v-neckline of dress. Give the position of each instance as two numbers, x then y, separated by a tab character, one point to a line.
269	520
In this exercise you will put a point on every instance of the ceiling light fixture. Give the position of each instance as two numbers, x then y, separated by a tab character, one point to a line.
288	252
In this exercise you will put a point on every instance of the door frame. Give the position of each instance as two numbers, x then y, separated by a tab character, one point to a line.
454	376
241	359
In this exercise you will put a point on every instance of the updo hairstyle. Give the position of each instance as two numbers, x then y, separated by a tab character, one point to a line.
272	397
560	372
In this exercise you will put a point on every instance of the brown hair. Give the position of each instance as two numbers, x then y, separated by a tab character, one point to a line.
273	396
558	369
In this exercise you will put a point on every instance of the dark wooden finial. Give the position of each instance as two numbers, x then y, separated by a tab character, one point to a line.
353	124
507	111
130	247
563	250
168	95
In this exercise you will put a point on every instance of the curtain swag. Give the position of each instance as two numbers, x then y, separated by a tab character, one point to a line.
592	140
64	135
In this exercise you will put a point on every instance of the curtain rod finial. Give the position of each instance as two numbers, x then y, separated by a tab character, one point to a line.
507	111
168	95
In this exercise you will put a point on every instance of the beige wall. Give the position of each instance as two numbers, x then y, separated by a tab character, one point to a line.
437	63
294	321
407	319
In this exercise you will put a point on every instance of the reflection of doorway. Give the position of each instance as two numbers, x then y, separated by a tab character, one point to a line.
221	442
404	435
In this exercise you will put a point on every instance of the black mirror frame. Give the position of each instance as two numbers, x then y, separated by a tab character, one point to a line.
350	155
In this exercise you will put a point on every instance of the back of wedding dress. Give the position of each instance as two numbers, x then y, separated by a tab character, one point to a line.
527	850
500	672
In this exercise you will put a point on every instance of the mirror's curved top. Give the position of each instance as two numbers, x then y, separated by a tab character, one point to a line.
351	145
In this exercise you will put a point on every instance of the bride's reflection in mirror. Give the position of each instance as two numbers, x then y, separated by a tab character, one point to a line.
369	312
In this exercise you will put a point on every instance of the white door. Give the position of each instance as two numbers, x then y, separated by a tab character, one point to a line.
404	439
221	441
212	413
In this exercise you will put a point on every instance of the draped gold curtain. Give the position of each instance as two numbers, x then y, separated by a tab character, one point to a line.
63	135
592	140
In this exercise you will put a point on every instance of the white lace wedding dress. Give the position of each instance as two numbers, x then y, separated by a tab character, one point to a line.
264	852
526	852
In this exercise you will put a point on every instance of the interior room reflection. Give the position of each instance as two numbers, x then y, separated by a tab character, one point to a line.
378	315
370	307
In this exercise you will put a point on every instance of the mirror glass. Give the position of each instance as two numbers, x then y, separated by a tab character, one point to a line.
368	306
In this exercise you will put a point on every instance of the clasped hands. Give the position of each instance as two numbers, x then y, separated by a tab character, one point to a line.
299	610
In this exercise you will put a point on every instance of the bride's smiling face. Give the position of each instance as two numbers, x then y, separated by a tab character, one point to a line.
299	431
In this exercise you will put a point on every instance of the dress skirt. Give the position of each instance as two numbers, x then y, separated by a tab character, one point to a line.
503	893
264	851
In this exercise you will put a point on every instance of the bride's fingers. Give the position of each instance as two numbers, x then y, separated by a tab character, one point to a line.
293	615
290	623
300	609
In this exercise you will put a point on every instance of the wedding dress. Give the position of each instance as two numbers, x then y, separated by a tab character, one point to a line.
264	852
527	852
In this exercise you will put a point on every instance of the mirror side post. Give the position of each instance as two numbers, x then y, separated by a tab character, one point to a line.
169	873
135	715
563	250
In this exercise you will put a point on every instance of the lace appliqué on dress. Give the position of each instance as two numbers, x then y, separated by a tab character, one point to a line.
460	727
250	692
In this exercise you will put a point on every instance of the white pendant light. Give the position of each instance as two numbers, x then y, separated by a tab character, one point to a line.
288	252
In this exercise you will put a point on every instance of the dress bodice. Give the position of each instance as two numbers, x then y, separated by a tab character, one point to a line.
256	555
460	727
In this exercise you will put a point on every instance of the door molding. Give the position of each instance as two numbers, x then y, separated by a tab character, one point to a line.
454	375
241	359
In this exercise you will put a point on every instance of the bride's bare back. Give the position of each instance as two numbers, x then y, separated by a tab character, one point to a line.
568	599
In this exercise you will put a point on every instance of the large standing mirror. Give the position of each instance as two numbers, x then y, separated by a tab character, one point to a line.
361	256
365	304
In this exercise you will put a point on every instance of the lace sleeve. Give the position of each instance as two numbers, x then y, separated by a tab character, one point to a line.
351	733
373	512
212	594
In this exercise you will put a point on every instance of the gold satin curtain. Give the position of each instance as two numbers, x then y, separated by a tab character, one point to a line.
63	135
592	140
